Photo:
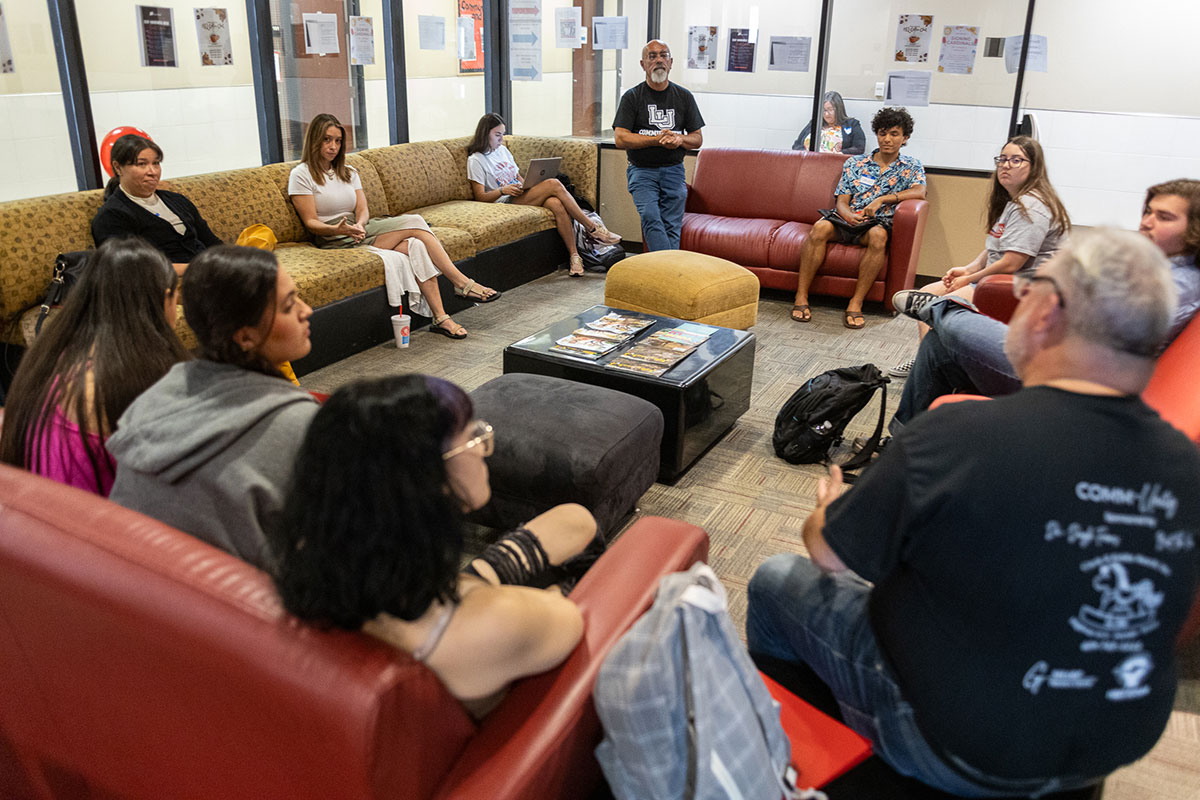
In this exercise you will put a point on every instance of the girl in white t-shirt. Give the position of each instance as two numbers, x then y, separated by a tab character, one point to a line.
494	177
328	196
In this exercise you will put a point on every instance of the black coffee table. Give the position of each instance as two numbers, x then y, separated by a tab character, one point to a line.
700	397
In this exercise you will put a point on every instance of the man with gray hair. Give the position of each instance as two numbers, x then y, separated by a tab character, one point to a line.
1032	557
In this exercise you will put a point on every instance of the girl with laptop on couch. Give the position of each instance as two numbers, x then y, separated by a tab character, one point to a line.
494	178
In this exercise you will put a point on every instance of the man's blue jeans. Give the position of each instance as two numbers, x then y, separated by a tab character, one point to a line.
659	194
799	613
964	352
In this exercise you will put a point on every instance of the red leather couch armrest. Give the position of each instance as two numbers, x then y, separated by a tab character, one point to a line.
994	297
539	742
904	249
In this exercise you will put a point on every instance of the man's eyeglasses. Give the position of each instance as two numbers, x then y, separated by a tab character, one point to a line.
482	436
1015	161
1023	283
665	54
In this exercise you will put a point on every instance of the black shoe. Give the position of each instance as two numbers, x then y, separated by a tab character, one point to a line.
910	302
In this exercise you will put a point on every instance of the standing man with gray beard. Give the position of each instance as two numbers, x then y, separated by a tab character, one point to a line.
656	122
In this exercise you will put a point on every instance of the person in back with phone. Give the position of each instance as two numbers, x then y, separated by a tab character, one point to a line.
867	195
494	178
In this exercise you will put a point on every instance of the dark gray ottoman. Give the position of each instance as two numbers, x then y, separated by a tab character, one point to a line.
559	441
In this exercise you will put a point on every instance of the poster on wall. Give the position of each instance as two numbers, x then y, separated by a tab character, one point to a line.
789	53
702	47
740	57
466	39
524	40
362	41
908	87
1035	61
431	32
6	57
156	36
320	34
913	34
959	43
212	29
610	33
472	10
568	27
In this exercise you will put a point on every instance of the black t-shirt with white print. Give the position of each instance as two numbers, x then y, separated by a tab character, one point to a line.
645	111
1033	558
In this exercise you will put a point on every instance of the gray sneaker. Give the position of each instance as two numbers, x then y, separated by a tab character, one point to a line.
902	370
910	302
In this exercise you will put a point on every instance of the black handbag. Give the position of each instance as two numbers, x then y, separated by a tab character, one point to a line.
67	269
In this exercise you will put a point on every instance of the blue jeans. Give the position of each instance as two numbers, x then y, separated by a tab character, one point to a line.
964	352
659	194
799	613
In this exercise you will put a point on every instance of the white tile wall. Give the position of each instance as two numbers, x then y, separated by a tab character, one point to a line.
33	129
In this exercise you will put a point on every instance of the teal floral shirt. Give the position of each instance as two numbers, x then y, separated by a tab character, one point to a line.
864	180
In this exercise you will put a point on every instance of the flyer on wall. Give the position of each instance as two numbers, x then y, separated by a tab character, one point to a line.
212	29
156	36
1035	60
431	32
6	56
321	34
610	33
470	53
362	41
702	47
524	40
741	50
913	35
568	27
908	87
959	43
789	53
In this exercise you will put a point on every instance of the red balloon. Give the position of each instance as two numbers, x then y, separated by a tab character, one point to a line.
112	136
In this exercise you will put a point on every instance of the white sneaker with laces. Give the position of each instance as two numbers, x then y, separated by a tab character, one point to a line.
902	370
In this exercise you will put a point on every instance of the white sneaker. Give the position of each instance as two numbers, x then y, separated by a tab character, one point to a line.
910	301
902	370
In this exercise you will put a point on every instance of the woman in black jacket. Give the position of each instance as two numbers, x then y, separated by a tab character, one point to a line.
839	134
135	206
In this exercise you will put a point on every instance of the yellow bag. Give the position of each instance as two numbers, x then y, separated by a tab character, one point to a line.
258	236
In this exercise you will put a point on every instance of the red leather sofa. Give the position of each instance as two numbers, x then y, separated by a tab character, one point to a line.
756	207
138	662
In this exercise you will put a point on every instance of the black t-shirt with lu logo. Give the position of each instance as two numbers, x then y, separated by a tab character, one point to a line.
1034	557
648	112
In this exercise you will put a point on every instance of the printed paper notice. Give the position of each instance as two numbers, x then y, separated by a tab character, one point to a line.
610	33
959	43
466	38
6	57
431	32
913	35
156	27
320	33
362	41
702	47
525	40
742	42
212	29
907	87
568	27
472	9
1035	61
789	53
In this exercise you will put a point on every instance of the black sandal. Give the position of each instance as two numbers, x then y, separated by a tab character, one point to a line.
504	557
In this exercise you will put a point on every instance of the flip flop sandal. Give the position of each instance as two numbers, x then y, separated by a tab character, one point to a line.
473	291
436	327
849	317
805	310
576	264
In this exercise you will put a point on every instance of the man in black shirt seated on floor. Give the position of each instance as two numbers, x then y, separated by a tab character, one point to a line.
1033	557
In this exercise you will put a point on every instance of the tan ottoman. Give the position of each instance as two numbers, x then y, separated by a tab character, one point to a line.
685	285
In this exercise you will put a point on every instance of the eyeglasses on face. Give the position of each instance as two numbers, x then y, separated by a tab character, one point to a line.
1014	161
653	54
482	436
1023	283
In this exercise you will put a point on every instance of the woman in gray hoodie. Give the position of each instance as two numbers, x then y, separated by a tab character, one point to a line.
209	448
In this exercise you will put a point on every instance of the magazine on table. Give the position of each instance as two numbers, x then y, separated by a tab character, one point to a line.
651	353
688	334
618	323
640	367
580	343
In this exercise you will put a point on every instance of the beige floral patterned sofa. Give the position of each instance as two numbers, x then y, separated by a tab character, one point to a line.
499	244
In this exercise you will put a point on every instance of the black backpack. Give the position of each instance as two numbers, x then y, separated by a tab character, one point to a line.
811	422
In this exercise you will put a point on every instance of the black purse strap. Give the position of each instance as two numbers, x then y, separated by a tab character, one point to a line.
863	457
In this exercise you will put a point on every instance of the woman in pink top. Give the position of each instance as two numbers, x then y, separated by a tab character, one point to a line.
111	340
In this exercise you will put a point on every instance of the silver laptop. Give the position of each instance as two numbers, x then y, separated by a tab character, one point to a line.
540	169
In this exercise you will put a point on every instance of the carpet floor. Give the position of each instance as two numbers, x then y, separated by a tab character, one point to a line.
751	503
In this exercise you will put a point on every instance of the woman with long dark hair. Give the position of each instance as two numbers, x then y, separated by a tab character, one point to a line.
209	447
135	206
328	196
1026	224
111	340
839	133
494	178
372	538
